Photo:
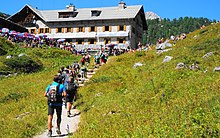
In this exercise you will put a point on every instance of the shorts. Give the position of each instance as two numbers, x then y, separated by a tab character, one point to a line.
57	108
69	98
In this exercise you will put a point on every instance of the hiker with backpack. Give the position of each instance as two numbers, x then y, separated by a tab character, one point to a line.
55	92
71	94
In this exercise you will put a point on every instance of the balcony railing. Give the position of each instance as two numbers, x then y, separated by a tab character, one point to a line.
98	47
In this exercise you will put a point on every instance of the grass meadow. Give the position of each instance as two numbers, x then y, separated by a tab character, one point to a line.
154	100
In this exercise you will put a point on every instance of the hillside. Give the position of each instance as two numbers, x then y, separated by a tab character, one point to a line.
156	100
3	15
165	28
22	93
153	100
151	15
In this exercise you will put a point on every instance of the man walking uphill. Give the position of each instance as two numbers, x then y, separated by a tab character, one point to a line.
54	93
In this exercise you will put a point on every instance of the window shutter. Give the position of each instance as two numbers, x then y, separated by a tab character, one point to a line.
124	41
82	43
117	41
44	30
95	42
118	27
88	42
110	28
56	30
39	31
83	29
35	31
124	27
103	28
77	30
89	29
109	42
95	28
49	30
76	43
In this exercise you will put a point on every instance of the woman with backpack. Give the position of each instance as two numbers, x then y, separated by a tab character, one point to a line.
55	92
71	94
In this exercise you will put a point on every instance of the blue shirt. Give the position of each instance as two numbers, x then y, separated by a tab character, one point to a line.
61	90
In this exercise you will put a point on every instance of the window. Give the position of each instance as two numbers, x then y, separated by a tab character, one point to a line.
69	29
32	31
41	30
107	41
59	30
95	12
46	30
121	28
121	40
80	41
67	14
92	29
107	28
81	29
91	41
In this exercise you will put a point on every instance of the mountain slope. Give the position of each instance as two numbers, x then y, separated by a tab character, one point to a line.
156	99
3	15
151	15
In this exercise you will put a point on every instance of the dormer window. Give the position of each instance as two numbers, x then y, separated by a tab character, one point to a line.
67	14
95	12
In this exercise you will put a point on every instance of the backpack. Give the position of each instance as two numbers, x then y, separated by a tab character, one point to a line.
71	88
82	59
54	95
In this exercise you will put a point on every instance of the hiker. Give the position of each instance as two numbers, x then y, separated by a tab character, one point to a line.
82	61
87	58
83	71
102	57
71	94
97	59
54	93
76	66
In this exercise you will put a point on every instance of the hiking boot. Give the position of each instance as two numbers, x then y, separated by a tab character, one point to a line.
58	131
49	134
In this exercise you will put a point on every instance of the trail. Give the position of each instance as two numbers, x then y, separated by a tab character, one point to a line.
69	125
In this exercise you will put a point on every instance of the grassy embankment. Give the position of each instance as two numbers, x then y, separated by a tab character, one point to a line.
23	111
156	100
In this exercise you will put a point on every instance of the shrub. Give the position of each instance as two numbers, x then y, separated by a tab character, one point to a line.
140	54
23	64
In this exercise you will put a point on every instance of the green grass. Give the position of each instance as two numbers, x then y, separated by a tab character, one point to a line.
156	100
24	93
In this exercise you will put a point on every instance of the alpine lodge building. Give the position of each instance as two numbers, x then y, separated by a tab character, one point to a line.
122	26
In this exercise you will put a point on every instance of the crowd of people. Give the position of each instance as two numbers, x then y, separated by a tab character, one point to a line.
63	89
28	40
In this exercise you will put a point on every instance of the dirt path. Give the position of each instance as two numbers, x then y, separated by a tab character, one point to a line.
69	125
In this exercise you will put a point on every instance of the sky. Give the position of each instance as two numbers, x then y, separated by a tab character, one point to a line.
164	8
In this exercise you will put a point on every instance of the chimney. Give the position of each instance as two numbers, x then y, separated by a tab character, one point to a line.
122	5
71	7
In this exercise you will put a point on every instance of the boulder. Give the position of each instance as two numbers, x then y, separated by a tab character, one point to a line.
181	66
208	55
138	65
8	57
167	59
194	66
217	68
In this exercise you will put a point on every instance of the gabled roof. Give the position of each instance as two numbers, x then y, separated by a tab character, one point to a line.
107	13
38	12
